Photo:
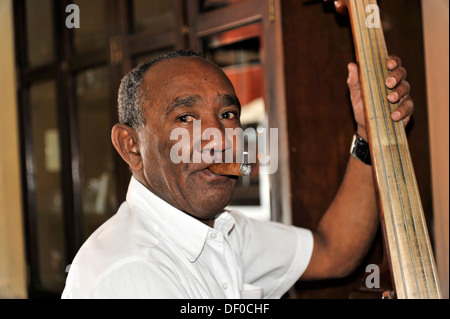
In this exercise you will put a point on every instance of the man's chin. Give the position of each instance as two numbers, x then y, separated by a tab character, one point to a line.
208	204
207	197
210	209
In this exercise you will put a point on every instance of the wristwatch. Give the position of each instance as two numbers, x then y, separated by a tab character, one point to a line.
360	149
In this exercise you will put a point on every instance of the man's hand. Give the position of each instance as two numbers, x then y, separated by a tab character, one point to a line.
354	209
399	94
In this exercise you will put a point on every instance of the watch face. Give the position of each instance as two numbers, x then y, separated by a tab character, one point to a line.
246	169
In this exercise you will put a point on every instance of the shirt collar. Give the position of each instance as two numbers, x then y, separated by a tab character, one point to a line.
187	233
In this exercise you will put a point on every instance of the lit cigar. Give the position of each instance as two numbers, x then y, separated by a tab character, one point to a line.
235	169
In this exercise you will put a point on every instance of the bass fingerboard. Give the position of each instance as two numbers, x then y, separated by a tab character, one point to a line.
405	231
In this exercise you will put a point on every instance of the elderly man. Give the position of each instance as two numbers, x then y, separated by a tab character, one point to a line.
172	238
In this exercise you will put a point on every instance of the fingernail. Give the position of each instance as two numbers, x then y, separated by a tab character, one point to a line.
390	82
393	96
396	116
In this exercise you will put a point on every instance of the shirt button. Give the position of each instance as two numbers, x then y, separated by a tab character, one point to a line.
213	236
224	285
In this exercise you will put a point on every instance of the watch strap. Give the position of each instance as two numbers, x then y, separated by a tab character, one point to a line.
360	149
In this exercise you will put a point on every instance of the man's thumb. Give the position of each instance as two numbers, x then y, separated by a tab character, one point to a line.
353	77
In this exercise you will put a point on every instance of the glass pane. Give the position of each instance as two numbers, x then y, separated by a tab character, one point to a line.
95	147
237	52
39	17
92	31
152	15
47	180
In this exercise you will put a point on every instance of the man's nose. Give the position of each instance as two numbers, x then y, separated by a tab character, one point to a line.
213	136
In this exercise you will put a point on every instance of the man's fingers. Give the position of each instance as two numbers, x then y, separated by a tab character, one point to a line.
395	77
395	81
400	91
405	109
393	62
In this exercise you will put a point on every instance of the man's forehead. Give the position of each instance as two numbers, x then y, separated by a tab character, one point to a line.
169	78
182	66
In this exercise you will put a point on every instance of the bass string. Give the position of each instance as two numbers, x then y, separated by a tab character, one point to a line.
405	158
359	21
408	161
381	75
427	242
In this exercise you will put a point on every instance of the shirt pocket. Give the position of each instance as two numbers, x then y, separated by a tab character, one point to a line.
251	292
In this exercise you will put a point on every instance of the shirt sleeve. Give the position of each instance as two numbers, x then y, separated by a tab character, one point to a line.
274	255
138	279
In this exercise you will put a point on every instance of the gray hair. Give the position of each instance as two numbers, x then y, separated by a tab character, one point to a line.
131	94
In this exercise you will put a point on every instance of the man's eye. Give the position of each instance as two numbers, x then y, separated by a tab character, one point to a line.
186	118
229	115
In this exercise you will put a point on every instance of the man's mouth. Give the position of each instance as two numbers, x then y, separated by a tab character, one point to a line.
208	175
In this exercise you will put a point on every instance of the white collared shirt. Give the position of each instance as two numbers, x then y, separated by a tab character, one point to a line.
150	249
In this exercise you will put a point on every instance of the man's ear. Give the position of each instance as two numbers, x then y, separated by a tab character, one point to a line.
126	141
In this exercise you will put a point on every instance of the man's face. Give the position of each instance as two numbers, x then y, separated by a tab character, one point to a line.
184	90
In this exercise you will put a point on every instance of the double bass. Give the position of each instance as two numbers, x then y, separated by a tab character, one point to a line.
402	219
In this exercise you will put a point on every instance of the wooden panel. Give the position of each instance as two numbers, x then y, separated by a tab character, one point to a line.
12	254
317	47
436	35
320	121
